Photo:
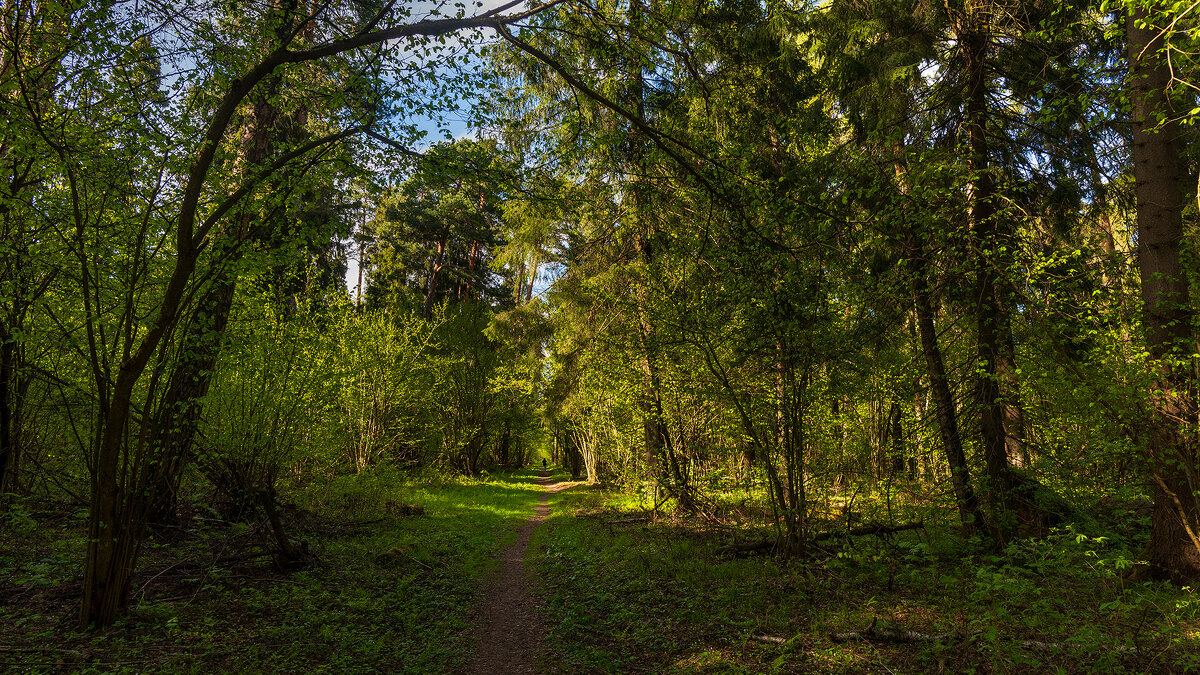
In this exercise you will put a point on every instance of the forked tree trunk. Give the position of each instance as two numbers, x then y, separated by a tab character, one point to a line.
1167	316
117	508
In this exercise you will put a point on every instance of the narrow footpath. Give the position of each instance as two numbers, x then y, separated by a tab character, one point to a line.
510	631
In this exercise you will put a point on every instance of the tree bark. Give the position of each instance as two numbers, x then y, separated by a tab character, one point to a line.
434	268
1167	315
973	34
179	412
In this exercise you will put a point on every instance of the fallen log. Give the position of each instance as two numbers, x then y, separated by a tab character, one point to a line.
873	634
745	549
625	521
872	528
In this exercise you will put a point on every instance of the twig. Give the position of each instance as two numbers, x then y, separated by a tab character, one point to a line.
31	650
142	591
271	579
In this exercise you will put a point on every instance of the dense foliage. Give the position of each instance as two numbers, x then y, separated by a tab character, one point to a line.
903	258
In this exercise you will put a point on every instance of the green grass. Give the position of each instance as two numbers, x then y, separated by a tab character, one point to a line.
385	593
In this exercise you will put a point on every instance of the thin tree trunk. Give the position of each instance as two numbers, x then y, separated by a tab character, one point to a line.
532	280
8	444
895	422
434	268
472	263
1016	449
361	248
964	495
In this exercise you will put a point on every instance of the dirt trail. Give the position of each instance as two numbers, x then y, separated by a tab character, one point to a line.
510	631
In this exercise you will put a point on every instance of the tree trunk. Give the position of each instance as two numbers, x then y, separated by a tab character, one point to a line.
8	444
974	38
532	280
1167	316
504	444
896	422
964	495
1016	448
434	268
573	456
179	411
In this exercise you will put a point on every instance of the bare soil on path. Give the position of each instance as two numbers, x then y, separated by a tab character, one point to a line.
509	629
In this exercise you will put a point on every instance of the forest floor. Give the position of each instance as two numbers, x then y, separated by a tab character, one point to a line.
503	575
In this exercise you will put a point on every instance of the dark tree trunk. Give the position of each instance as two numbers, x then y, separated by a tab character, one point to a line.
179	411
1016	448
573	456
504	444
974	39
8	444
896	423
1167	316
964	495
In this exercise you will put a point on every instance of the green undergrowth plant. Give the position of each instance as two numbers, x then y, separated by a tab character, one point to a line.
395	577
628	595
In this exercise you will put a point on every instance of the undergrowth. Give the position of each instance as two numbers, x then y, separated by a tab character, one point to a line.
383	593
625	595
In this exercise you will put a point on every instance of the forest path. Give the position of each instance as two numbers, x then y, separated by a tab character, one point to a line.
509	631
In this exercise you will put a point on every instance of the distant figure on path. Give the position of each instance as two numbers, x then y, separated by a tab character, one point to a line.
543	464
